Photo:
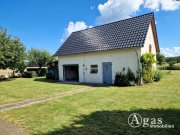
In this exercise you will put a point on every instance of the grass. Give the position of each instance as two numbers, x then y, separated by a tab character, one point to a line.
104	110
19	89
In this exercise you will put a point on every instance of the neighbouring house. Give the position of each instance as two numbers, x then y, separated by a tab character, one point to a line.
96	54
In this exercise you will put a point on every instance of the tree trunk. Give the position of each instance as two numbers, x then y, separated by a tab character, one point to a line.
39	69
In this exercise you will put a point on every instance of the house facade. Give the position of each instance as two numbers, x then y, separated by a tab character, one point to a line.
95	55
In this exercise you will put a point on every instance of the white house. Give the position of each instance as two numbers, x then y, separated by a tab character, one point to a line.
96	54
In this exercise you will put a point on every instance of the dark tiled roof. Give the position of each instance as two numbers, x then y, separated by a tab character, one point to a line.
122	34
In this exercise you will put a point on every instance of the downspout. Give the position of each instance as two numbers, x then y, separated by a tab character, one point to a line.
84	68
139	69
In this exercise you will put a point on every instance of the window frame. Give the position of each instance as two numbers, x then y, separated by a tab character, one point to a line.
94	69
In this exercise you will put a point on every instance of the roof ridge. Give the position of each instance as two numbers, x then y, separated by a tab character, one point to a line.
108	36
114	22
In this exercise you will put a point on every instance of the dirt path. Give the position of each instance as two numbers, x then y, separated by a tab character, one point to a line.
7	128
39	100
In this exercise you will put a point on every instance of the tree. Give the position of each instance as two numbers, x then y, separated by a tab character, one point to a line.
175	58
178	59
4	45
160	58
22	66
171	64
12	51
39	57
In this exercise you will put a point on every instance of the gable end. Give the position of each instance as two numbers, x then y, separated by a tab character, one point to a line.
155	34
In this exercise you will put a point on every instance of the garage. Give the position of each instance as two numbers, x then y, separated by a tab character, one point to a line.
71	73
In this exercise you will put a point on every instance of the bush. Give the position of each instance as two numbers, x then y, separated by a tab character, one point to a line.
32	69
163	67
52	74
43	72
39	73
125	79
49	76
138	77
147	72
157	76
29	74
120	79
175	67
171	64
160	58
148	75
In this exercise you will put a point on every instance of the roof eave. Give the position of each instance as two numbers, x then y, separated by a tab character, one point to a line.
155	34
135	47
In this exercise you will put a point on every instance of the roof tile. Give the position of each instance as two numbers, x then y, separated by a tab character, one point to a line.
121	34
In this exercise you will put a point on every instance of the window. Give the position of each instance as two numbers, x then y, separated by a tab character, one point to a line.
94	69
150	48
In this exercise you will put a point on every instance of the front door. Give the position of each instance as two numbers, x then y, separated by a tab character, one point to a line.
107	72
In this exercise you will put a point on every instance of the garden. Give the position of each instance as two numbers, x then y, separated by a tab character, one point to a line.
103	110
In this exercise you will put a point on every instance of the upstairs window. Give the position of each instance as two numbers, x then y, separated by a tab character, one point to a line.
150	48
94	69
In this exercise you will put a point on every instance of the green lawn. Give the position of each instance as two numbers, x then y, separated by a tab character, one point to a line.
27	88
105	110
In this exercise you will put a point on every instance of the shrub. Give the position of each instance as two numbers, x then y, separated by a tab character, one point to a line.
39	73
43	72
160	58
131	77
49	76
32	69
171	64
147	72
147	59
175	67
163	67
52	74
29	74
120	79
138	77
157	76
124	78
148	75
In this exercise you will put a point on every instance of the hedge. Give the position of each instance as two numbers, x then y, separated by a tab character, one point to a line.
175	67
29	74
36	69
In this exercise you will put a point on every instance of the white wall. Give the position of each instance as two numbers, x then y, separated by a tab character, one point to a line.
149	41
119	58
